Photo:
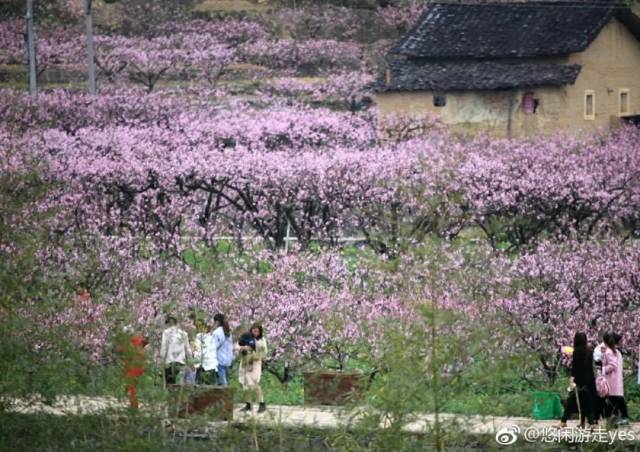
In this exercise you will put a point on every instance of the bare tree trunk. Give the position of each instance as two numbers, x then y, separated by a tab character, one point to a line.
439	443
90	50
31	48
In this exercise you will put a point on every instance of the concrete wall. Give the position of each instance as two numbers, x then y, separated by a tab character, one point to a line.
610	63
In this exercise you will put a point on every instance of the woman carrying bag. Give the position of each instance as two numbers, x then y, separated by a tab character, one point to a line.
252	353
582	384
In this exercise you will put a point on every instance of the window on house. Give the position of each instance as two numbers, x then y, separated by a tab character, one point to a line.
623	101
439	100
589	105
529	104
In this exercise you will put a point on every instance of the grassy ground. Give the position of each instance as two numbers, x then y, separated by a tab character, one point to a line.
129	433
136	434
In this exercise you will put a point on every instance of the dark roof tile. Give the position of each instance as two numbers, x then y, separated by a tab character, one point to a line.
514	29
410	75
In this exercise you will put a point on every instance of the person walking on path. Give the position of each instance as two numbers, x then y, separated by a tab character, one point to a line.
612	365
582	383
174	350
206	360
250	369
223	344
598	354
132	349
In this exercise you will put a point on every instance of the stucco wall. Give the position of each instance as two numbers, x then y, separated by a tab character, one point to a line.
471	112
611	62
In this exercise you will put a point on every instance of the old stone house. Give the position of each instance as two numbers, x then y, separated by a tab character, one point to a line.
518	69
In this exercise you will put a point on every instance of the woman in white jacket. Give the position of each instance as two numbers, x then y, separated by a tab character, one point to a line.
206	361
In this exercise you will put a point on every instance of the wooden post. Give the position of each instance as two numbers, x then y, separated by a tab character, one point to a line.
510	116
90	49
439	443
31	48
287	238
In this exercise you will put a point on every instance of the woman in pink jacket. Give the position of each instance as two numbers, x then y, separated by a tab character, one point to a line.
612	367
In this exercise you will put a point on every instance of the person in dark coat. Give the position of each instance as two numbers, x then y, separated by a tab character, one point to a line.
247	340
583	383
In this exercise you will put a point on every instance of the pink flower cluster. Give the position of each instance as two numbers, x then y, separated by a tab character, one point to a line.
520	190
229	31
147	60
319	22
304	57
341	88
55	46
71	111
402	14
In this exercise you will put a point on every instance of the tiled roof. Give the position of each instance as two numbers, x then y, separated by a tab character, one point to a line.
630	20
410	75
509	30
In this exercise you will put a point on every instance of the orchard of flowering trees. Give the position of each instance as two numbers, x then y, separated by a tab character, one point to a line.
138	185
174	189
